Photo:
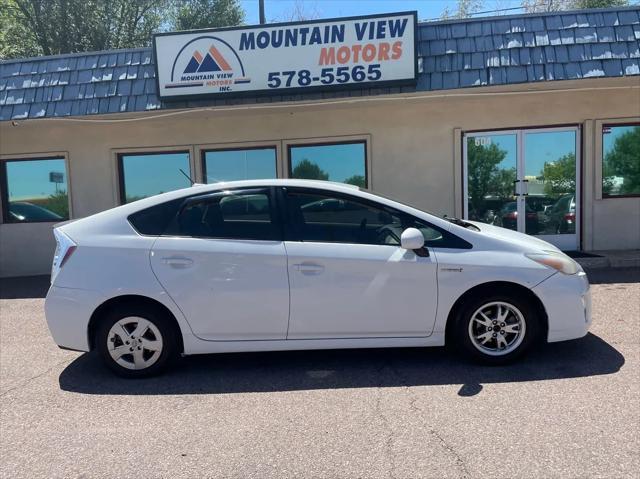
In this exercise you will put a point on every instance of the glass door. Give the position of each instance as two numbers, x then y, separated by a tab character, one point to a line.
525	180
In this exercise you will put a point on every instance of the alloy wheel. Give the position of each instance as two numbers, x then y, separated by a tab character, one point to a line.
134	343
497	328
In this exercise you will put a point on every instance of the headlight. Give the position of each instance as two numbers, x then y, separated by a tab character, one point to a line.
558	261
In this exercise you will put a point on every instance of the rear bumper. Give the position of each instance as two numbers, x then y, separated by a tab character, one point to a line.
68	312
567	300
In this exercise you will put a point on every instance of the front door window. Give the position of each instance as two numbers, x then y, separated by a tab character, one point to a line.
525	180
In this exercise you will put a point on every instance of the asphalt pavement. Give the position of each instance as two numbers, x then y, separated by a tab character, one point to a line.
567	410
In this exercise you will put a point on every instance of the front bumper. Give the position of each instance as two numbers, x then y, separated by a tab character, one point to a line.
68	311
567	300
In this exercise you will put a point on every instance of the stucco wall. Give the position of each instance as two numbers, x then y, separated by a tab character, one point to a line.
413	142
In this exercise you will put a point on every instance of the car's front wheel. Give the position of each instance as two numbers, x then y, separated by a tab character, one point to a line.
136	342
498	329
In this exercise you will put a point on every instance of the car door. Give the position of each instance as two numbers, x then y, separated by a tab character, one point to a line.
349	277
224	264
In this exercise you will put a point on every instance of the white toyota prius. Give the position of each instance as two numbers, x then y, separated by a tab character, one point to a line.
294	264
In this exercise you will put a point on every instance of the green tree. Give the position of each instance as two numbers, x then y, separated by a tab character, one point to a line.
623	161
309	170
485	177
463	9
357	180
532	6
560	176
195	14
49	27
58	203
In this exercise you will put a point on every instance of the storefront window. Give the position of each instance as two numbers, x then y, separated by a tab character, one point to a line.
35	190
239	164
342	162
621	160
148	174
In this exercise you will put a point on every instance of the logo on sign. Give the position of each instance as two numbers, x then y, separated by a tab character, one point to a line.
207	62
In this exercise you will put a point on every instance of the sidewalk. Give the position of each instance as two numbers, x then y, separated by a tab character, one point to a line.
611	259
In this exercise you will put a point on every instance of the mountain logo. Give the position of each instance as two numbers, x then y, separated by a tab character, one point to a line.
213	61
207	64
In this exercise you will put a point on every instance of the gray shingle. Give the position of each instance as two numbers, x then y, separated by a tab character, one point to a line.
592	69
569	21
500	26
101	90
428	65
554	37
525	56
437	47
537	56
554	72
3	97
624	33
84	76
469	78
636	31
517	25
600	51
13	97
534	24
529	39
436	80
497	76
572	70
486	28
150	86
9	69
606	34
619	50
120	73
427	32
29	95
6	112
612	67
586	35
450	46
465	45
567	37
582	20
542	38
634	49
107	74
474	29
610	18
553	22
516	74
514	40
20	112
595	19
628	17
477	61
37	110
562	54
443	32
493	59
71	92
505	58
458	30
576	53
450	80
631	67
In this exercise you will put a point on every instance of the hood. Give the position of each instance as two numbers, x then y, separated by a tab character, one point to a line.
524	241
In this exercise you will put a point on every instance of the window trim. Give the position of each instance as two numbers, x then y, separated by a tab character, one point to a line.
145	152
290	235
206	149
4	186
601	125
332	142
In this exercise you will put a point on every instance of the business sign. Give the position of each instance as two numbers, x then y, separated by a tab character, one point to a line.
299	56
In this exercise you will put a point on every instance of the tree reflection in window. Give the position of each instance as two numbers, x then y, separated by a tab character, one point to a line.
621	160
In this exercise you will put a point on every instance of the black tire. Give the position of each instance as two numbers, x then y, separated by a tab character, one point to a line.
462	335
162	323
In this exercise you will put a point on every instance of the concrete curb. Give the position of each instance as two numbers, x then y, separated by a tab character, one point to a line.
612	259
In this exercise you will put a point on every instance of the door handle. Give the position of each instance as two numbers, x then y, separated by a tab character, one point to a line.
178	261
309	268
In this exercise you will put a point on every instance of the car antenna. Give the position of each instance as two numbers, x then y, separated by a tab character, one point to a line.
188	177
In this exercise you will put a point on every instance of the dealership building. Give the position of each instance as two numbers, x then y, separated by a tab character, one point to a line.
531	122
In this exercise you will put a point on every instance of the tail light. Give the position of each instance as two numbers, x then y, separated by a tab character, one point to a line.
570	217
512	215
64	249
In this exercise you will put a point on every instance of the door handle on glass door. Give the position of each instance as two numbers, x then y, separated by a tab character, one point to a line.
178	261
309	268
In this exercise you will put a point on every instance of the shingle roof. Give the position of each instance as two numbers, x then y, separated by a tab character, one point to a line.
452	54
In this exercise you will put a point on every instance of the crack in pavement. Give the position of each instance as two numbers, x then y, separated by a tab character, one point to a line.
432	431
390	439
37	376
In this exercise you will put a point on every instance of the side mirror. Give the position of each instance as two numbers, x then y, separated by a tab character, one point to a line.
412	239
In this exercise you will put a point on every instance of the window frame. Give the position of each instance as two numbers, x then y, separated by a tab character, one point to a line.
331	142
290	231
276	218
4	185
600	156
206	149
122	194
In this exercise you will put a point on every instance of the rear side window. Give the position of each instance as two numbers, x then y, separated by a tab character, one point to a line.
155	220
239	215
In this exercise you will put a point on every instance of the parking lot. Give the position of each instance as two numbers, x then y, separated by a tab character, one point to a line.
568	410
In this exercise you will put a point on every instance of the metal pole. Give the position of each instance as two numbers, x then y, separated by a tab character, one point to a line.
262	20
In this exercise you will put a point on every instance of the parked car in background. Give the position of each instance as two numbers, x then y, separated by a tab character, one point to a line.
508	218
561	217
269	265
24	211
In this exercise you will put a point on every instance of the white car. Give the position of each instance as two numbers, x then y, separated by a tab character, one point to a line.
293	264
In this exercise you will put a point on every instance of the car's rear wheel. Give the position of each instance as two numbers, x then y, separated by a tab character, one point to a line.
136	342
497	329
